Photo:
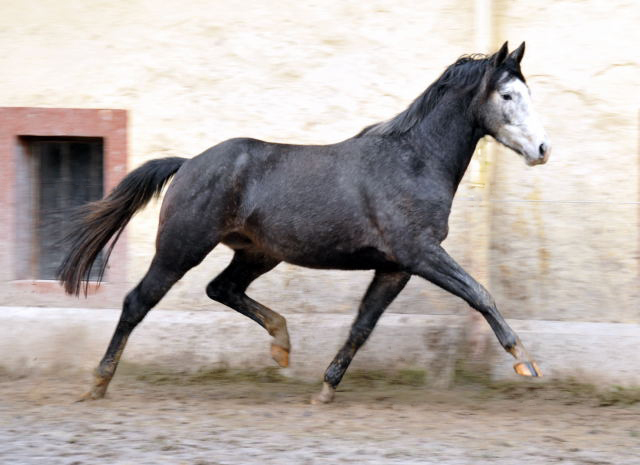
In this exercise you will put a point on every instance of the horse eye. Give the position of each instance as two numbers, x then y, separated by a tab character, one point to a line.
506	96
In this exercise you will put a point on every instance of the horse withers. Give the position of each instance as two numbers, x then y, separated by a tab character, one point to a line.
379	200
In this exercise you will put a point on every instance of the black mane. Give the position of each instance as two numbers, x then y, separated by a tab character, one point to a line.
466	72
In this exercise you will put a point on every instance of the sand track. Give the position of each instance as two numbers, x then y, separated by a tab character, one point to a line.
235	420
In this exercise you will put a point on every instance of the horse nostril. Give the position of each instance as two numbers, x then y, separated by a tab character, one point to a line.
542	149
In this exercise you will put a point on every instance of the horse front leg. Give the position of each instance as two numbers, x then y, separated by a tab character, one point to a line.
381	292
435	265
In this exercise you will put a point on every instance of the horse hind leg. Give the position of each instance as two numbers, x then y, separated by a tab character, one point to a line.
229	288
137	304
167	267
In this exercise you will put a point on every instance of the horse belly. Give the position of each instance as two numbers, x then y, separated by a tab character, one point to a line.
364	258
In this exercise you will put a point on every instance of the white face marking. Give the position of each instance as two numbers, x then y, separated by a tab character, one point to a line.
515	123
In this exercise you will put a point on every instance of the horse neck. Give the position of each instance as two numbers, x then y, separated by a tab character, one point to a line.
448	136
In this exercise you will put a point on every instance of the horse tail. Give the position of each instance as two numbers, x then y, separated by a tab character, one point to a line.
94	224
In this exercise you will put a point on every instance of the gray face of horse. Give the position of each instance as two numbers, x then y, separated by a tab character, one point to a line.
508	114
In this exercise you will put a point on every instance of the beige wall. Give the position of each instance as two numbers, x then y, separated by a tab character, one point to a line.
565	236
193	73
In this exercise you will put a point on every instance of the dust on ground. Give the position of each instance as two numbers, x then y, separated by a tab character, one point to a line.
220	417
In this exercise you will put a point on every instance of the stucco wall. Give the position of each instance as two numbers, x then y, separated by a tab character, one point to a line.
195	73
565	235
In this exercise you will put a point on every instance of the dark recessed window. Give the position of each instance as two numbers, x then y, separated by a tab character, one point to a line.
66	173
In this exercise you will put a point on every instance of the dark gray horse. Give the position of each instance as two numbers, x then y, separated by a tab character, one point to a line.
379	200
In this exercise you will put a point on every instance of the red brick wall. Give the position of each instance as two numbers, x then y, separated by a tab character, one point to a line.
15	122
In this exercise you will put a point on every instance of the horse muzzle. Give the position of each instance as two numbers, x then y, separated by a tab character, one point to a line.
544	150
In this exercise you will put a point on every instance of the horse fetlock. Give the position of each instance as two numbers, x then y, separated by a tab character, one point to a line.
105	370
325	396
509	340
277	328
97	391
517	349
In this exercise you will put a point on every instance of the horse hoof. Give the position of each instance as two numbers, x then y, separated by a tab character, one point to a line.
97	391
280	355
528	369
91	395
325	396
84	397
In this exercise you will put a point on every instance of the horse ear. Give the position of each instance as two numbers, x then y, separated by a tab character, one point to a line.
518	53
501	54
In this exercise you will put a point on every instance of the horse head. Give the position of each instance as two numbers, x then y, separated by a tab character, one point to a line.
505	111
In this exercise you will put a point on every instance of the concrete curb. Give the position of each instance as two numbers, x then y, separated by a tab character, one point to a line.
41	340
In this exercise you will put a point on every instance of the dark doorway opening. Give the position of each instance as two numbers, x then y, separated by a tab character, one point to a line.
67	172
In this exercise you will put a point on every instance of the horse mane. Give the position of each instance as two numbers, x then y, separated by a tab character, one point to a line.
466	72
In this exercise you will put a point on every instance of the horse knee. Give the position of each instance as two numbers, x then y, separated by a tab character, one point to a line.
483	302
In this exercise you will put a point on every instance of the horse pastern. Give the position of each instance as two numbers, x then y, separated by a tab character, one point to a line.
325	396
280	355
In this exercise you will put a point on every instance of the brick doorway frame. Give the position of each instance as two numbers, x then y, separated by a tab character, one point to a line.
17	123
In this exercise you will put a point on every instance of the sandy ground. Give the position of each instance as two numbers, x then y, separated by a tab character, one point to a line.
156	418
